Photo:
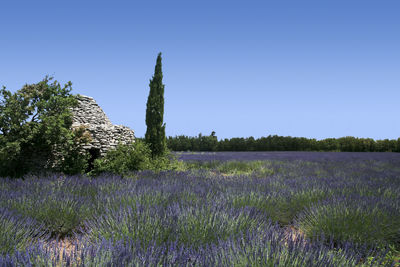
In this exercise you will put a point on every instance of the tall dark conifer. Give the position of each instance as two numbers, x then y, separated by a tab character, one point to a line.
155	133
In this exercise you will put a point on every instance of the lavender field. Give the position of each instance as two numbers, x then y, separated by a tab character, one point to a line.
219	209
290	155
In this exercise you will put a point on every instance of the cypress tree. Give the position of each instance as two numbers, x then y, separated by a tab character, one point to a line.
155	133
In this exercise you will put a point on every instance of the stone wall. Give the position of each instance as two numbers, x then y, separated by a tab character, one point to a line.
105	135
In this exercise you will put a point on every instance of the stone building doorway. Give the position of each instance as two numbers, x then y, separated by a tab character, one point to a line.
94	153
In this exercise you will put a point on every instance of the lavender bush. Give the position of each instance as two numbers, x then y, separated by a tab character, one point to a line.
361	219
17	232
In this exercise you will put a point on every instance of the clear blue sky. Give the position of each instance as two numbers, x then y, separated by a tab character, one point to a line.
241	68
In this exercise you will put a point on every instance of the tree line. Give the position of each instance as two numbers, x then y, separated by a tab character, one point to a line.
281	143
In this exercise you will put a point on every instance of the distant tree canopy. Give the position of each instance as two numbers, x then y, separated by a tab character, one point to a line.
155	133
281	143
35	130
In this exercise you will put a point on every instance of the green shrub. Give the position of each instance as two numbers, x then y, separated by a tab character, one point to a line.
124	159
133	157
167	162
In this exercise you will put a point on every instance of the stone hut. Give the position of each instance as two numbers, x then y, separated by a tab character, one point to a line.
105	135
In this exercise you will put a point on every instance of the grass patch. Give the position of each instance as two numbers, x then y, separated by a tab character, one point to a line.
234	168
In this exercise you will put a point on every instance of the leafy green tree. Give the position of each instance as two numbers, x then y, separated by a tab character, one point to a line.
35	130
155	133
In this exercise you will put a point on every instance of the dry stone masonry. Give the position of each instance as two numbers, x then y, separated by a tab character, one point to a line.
105	135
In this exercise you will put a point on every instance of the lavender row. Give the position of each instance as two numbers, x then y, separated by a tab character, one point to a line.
269	248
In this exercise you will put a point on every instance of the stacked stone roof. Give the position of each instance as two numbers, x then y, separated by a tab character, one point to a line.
105	135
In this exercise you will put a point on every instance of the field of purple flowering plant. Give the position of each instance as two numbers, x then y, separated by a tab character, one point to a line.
289	155
224	209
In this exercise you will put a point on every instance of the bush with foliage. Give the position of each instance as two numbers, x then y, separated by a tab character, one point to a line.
124	158
35	130
132	157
